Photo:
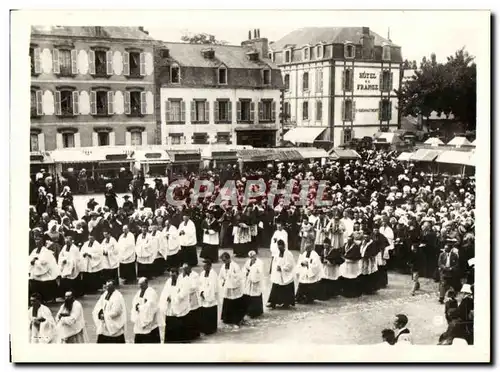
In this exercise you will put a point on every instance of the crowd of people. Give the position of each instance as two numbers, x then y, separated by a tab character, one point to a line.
384	214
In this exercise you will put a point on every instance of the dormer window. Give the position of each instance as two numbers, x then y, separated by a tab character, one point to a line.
288	56
386	52
253	56
319	51
271	56
266	76
208	53
349	50
306	53
222	74
175	74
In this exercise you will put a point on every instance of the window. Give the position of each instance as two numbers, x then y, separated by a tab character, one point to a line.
100	62
286	111
319	110
136	138
175	74
65	62
306	53
385	110
34	61
176	111
287	56
319	80
386	81
319	51
223	138
349	51
34	142
245	111
287	82
68	140
199	111
348	80
267	111
223	111
386	52
266	75
103	139
305	81
347	135
33	103
135	103
66	102
200	138
305	110
101	102
175	139
347	110
222	75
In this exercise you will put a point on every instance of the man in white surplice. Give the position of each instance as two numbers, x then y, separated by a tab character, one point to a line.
126	248
111	254
43	272
41	322
279	234
145	315
92	265
69	265
110	316
310	272
70	326
171	247
146	254
253	283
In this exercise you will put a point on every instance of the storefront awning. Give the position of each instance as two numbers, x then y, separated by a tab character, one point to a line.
312	152
258	155
454	157
39	157
185	156
425	155
404	156
152	157
303	134
345	154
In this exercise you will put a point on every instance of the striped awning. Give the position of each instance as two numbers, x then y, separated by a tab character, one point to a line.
425	155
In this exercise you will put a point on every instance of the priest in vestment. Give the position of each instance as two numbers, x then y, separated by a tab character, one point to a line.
279	234
350	270
209	297
145	252
110	316
231	284
187	237
41	322
282	278
111	260
210	227
253	284
310	272
332	259
43	272
171	246
192	280
145	315
69	266
126	249
368	253
70	327
92	265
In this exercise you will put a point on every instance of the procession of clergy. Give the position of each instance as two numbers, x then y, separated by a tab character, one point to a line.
188	305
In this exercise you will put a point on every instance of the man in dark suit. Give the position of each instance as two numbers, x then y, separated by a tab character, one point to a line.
448	264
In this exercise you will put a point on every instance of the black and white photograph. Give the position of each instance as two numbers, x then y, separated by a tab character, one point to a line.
306	180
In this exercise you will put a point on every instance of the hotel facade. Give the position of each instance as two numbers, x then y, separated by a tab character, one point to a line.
339	84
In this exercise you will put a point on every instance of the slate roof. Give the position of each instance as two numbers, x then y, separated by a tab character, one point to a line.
329	35
111	32
232	56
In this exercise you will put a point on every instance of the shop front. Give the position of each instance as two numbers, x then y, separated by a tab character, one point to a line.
153	163
39	161
184	161
256	138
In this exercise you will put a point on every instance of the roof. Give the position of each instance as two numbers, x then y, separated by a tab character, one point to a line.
330	35
276	154
303	134
232	56
425	155
404	156
456	157
388	137
312	152
111	32
338	153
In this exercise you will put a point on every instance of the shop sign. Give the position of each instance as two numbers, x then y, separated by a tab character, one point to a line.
187	157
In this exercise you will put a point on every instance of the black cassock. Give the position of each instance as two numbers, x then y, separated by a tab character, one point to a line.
210	251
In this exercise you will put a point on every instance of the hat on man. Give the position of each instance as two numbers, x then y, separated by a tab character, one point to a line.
466	288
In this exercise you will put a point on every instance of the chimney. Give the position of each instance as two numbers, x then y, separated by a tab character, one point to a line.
141	28
258	44
258	33
255	33
365	30
98	31
367	43
249	34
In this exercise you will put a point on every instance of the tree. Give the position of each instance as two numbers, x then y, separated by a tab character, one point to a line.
202	38
446	88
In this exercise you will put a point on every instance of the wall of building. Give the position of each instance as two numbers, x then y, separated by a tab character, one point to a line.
49	125
212	128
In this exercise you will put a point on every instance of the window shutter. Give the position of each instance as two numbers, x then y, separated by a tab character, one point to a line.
183	111
343	80
74	66
273	111
59	141
351	82
389	114
128	138
38	61
230	111
126	63
193	111
144	138
380	111
252	111
76	102
41	142
207	111
238	110
91	62
320	81
261	111
342	136
55	61
167	111
111	138
216	111
342	110
39	102
353	114
77	139
142	67
381	81
95	139
127	103
57	103
93	103
109	63
144	104
111	96
390	81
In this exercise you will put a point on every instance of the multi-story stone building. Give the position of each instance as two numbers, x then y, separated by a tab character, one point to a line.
91	86
223	94
339	83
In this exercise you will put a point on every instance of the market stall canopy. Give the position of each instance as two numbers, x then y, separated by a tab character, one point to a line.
40	157
258	155
455	157
433	141
152	156
459	141
192	155
312	152
303	134
388	137
345	154
404	156
425	155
